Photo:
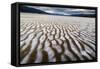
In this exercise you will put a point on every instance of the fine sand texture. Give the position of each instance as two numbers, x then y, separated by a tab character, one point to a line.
53	38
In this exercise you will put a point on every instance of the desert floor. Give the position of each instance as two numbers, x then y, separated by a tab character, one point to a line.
51	38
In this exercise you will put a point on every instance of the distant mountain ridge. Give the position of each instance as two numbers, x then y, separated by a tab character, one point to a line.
39	11
31	10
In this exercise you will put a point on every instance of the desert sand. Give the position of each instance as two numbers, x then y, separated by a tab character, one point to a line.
52	38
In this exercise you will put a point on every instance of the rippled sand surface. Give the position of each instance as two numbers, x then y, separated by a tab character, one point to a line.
51	38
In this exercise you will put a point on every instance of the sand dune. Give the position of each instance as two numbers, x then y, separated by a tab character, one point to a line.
48	38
